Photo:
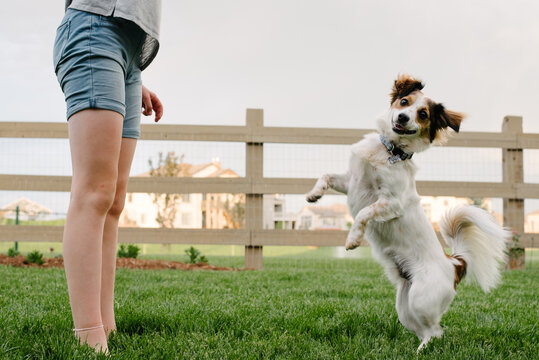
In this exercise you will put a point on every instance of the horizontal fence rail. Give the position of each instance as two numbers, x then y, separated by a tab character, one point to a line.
254	134
278	135
137	235
266	186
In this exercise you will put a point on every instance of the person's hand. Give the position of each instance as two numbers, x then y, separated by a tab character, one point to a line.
150	102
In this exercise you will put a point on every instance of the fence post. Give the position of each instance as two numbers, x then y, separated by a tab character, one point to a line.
513	173
17	210
254	169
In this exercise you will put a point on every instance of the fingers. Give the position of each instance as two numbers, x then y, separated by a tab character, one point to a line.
150	103
146	101
157	106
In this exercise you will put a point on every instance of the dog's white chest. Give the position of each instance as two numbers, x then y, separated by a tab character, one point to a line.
369	181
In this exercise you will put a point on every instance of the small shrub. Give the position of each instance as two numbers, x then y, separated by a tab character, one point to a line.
12	252
195	256
515	242
129	251
35	257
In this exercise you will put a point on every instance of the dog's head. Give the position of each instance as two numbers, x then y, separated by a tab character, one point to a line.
412	115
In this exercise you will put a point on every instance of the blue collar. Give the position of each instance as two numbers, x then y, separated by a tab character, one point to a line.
397	153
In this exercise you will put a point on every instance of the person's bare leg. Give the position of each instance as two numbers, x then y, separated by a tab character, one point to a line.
110	235
95	138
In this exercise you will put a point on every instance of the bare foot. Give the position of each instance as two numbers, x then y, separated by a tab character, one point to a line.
110	330
94	337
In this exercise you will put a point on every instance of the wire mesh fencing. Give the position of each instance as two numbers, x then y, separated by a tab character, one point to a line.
238	192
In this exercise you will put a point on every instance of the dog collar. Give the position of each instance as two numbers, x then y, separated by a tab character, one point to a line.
397	153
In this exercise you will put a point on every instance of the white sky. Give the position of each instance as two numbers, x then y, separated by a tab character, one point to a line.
308	63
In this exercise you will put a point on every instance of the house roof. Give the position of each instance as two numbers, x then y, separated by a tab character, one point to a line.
536	212
27	206
190	170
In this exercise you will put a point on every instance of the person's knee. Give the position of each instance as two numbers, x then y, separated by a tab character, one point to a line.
119	200
117	206
96	197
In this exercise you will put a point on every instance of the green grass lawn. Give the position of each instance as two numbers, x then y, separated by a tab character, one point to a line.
293	309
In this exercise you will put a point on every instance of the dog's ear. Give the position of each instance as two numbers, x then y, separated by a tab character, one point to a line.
453	119
442	118
405	85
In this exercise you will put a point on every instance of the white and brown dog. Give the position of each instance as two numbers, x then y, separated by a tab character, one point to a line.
383	199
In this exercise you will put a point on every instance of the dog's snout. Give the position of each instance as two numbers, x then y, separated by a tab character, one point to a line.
403	118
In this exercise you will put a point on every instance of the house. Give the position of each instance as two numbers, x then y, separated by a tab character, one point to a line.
212	211
275	214
338	217
28	210
531	222
436	206
334	217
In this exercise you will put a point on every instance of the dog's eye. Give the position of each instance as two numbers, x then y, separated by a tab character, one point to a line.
404	102
422	114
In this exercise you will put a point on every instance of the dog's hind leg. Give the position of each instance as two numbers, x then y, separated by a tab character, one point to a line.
329	181
428	300
403	307
407	317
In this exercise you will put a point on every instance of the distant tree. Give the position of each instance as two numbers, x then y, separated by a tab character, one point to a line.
479	202
167	204
235	212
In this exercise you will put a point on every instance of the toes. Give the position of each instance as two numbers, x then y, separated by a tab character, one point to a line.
313	198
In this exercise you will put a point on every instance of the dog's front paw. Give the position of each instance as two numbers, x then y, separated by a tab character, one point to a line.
354	237
352	241
351	244
313	196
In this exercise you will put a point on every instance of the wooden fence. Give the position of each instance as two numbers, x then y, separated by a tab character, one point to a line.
254	134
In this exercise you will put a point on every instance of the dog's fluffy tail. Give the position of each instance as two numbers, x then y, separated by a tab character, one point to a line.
475	237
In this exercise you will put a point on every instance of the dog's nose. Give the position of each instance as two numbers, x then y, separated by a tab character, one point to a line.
403	118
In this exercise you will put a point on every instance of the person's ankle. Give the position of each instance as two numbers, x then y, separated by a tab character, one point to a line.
93	336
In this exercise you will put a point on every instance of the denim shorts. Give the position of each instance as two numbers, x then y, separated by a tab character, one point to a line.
97	63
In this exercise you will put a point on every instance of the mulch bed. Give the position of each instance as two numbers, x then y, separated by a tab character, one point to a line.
128	263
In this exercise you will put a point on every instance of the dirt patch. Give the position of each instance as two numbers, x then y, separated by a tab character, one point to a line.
128	263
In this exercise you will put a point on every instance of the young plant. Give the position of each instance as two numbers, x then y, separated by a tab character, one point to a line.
515	243
35	257
12	252
195	256
129	251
